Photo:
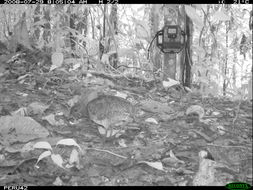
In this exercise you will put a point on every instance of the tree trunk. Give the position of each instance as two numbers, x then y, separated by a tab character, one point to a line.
188	52
169	64
154	22
113	19
36	19
72	25
47	28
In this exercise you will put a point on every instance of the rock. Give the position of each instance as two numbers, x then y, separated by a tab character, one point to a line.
210	173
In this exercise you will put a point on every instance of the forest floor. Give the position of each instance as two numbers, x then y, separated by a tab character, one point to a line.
164	151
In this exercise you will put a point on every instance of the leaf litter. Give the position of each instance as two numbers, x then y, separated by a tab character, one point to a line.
161	147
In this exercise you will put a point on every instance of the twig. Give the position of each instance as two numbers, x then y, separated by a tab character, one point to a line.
224	146
107	152
237	113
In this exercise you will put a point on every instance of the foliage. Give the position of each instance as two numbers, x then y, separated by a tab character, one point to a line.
214	60
222	38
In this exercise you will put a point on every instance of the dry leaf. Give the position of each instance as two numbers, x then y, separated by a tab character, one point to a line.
57	159
21	129
42	145
37	108
43	155
156	165
68	142
151	120
57	60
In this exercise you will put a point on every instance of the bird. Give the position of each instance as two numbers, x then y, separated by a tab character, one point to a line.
111	113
